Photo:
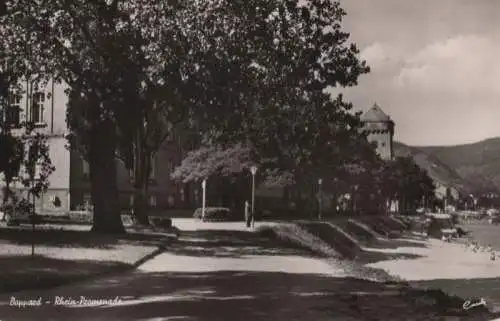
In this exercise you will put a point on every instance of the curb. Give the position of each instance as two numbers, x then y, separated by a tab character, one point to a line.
161	248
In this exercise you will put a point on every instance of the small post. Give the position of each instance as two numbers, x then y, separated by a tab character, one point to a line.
253	170
32	210
320	197
204	188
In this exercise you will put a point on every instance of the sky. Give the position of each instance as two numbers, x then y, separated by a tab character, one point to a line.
435	66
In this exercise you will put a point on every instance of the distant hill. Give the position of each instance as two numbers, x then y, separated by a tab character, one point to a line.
438	170
477	163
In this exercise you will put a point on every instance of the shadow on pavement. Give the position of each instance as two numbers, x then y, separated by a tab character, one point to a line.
487	288
367	257
249	296
235	244
75	239
24	272
229	244
368	239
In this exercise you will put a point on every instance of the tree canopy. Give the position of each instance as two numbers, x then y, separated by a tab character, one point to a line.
402	179
252	72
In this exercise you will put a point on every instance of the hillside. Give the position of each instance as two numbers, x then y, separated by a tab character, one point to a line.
477	163
438	170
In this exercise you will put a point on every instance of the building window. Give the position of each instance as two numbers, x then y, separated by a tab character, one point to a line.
152	170
152	200
171	132
183	194
38	169
196	196
171	200
37	107
131	200
13	110
85	169
87	201
170	166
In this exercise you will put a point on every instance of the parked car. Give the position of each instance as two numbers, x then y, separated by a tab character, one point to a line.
494	220
217	214
492	212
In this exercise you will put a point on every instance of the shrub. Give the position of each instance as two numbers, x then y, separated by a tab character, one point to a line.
21	213
216	214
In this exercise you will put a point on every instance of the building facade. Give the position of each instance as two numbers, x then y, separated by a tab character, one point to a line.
69	184
163	192
45	107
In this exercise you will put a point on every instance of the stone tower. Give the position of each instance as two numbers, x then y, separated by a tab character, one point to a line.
380	129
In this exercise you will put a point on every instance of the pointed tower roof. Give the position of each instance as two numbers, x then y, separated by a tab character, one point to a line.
375	114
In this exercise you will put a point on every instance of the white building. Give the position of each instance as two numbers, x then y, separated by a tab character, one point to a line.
45	106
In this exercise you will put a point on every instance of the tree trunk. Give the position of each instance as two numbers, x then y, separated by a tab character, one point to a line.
6	194
104	191
141	193
141	207
140	200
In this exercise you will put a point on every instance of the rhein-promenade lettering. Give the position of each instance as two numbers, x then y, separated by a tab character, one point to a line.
63	301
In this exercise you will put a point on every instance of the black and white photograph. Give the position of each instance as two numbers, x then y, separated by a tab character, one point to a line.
225	160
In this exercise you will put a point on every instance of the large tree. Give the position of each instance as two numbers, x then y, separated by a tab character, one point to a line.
267	81
114	56
243	71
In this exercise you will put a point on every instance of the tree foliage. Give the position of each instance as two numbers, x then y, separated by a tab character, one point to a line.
207	162
252	72
114	56
403	180
263	76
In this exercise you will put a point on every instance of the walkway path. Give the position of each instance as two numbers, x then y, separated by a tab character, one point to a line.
219	272
216	273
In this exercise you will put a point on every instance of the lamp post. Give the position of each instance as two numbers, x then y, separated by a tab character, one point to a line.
320	197
204	188
253	170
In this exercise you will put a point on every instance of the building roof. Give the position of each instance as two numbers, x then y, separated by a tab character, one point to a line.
375	114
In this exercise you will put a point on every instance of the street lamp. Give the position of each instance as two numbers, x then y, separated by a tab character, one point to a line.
204	188
253	170
320	197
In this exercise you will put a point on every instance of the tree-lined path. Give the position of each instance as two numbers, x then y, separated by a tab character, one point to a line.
206	275
219	275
